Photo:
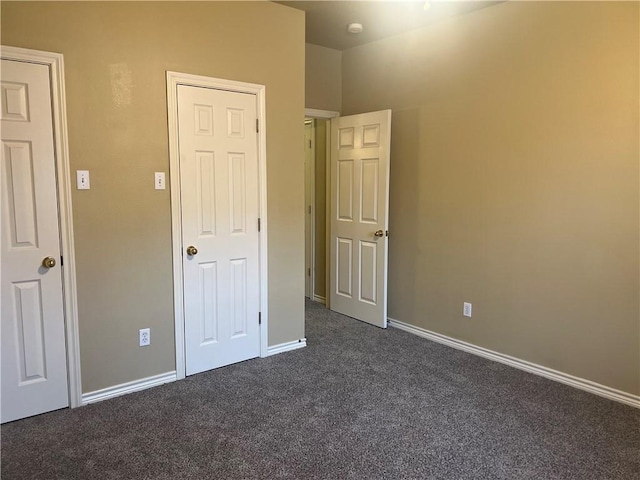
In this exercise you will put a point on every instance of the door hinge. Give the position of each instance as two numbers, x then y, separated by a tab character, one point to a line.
257	125
309	271
309	209
309	144
258	224
61	260
259	318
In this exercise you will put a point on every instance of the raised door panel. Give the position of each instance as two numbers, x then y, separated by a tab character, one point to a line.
345	190
367	272
206	193
15	101
235	123
237	193
203	119
344	267
346	137
238	285
371	136
29	318
21	195
208	311
369	191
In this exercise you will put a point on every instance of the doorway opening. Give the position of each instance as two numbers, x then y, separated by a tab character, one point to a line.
316	203
355	182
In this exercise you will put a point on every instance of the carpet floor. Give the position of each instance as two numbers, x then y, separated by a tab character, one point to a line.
357	403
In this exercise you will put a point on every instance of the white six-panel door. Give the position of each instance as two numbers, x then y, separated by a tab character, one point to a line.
219	199
34	368
360	150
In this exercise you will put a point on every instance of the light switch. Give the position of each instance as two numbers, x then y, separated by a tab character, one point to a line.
82	177
160	183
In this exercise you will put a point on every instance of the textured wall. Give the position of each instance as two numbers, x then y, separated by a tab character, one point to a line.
514	180
323	81
116	56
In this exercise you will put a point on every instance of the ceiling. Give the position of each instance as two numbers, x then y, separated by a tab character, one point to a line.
327	20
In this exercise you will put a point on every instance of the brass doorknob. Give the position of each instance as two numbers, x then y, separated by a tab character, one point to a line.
49	262
191	251
379	233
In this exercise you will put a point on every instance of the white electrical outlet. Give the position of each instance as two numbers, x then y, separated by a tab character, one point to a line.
466	309
159	181
145	337
82	178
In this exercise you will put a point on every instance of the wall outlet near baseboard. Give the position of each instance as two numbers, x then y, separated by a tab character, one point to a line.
145	337
466	309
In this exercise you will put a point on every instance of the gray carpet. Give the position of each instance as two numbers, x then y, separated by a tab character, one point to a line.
357	403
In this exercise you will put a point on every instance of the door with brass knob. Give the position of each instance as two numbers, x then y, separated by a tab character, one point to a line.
360	153
49	262
219	221
33	349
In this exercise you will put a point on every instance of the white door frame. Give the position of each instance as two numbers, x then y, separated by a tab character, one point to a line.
327	115
55	62
173	80
315	113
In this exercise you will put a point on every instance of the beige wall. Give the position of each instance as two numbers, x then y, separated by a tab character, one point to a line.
116	55
323	81
514	180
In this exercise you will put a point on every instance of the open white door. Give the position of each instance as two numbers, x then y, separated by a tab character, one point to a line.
34	356
218	146
360	151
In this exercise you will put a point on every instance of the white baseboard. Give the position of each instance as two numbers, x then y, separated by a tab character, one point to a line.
577	382
128	387
286	347
319	299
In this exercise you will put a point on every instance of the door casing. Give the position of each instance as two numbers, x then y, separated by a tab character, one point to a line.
173	80
55	63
